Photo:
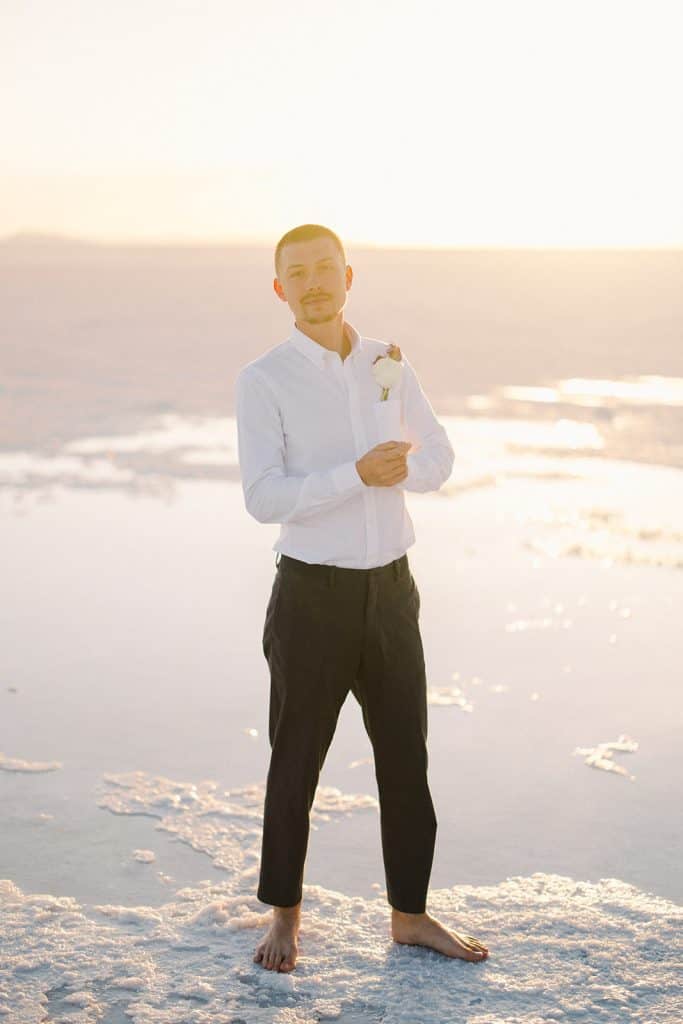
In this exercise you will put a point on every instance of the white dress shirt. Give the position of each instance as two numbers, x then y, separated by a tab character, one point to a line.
304	418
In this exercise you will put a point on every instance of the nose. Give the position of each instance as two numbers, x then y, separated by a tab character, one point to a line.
311	281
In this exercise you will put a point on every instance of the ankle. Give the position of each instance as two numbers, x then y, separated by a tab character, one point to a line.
401	915
287	913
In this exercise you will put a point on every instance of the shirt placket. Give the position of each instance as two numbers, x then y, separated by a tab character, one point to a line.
345	370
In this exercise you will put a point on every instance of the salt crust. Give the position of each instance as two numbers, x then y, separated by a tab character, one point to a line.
560	949
16	764
144	856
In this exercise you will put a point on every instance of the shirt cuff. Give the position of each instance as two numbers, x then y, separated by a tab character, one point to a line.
346	477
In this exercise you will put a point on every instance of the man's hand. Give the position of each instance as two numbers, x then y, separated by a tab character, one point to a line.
385	464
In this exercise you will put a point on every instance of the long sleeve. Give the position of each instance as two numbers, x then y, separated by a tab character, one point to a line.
431	465
270	495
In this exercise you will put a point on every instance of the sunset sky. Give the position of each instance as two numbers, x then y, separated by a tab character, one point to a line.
534	122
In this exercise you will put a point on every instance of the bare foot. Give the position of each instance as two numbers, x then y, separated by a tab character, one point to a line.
278	949
424	930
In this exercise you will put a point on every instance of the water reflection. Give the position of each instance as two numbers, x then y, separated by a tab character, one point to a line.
642	390
584	441
516	429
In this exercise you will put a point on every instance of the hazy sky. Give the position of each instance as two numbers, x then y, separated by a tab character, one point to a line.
491	122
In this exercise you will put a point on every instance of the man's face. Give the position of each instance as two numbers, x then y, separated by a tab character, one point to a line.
313	280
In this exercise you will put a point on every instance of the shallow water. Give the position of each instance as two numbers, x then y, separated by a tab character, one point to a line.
133	683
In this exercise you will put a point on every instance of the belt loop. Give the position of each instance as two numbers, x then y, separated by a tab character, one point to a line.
277	559
330	577
395	566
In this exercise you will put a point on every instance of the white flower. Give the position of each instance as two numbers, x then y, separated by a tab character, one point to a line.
387	370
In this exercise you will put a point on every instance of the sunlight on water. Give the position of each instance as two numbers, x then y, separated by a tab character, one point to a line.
446	695
611	535
643	390
634	419
593	505
20	468
216	435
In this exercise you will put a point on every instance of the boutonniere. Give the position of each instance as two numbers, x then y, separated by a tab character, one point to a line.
387	370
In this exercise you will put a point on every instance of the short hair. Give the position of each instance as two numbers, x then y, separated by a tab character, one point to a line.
304	233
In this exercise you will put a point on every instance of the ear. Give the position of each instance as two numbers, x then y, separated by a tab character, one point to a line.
278	290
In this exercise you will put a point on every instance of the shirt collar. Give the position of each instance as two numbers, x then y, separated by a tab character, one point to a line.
317	353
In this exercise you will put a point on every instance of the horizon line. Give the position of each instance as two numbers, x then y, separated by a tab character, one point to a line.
187	241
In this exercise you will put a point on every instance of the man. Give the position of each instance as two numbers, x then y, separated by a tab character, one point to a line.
324	451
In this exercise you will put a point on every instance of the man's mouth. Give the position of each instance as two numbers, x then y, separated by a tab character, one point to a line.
318	298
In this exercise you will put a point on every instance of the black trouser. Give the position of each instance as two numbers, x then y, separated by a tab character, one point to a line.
329	630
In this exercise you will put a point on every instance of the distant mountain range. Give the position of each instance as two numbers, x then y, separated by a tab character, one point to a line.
27	238
36	239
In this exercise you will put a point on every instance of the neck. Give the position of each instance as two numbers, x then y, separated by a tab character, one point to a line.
332	334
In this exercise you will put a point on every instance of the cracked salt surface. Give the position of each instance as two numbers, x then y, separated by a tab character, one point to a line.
559	948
